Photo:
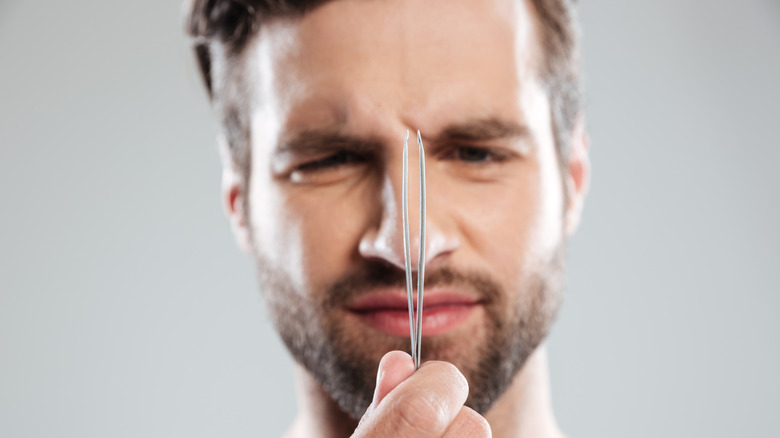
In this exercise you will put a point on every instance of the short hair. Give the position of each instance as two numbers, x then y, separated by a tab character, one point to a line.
220	30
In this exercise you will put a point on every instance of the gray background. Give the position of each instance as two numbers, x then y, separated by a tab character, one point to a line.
127	311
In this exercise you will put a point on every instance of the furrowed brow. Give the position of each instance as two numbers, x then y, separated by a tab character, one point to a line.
313	142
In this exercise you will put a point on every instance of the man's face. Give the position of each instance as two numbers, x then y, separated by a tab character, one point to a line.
333	95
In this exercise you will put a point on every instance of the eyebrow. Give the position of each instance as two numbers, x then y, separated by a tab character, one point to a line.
317	141
486	129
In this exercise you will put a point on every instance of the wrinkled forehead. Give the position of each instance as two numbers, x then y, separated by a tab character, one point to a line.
419	61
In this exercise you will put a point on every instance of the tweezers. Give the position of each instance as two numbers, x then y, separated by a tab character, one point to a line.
415	326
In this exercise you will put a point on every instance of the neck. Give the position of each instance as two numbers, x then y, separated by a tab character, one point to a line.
318	415
523	411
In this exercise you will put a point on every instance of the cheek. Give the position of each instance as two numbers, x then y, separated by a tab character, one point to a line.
503	233
548	228
331	225
309	235
514	225
276	231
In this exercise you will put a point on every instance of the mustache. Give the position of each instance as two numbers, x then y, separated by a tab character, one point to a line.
377	274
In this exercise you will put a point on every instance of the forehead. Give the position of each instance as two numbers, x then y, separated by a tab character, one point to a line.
416	63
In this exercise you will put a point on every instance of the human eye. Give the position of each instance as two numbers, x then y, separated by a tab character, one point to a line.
331	161
327	169
474	155
478	162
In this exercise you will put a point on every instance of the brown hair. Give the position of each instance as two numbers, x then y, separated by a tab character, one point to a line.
221	28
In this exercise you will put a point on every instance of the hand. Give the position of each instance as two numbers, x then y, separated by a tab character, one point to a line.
426	403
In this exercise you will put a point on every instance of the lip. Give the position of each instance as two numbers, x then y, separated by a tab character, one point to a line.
387	311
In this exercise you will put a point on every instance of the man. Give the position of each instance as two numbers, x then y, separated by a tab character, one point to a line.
314	98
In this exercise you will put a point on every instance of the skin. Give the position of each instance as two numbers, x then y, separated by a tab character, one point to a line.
496	202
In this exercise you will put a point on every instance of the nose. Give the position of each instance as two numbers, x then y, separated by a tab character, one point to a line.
384	240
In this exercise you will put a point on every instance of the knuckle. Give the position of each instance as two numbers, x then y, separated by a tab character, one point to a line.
469	424
479	426
452	376
421	413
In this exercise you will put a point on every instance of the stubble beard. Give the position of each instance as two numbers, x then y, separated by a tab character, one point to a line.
344	358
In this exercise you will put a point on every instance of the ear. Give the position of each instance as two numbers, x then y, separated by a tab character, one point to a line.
577	175
233	197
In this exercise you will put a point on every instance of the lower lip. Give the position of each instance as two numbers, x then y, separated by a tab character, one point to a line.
436	319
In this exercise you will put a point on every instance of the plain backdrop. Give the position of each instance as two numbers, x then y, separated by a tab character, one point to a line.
127	311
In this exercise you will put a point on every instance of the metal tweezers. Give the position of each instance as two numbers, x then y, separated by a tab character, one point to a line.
415	327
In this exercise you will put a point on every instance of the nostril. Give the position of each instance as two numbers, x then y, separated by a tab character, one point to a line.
439	246
380	246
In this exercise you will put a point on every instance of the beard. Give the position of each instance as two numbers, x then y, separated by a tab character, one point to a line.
344	356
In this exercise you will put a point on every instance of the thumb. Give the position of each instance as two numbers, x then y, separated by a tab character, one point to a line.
394	368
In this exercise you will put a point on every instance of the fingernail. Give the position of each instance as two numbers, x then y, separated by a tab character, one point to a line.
379	376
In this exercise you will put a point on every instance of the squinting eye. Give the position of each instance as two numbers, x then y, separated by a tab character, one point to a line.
472	154
329	169
335	160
